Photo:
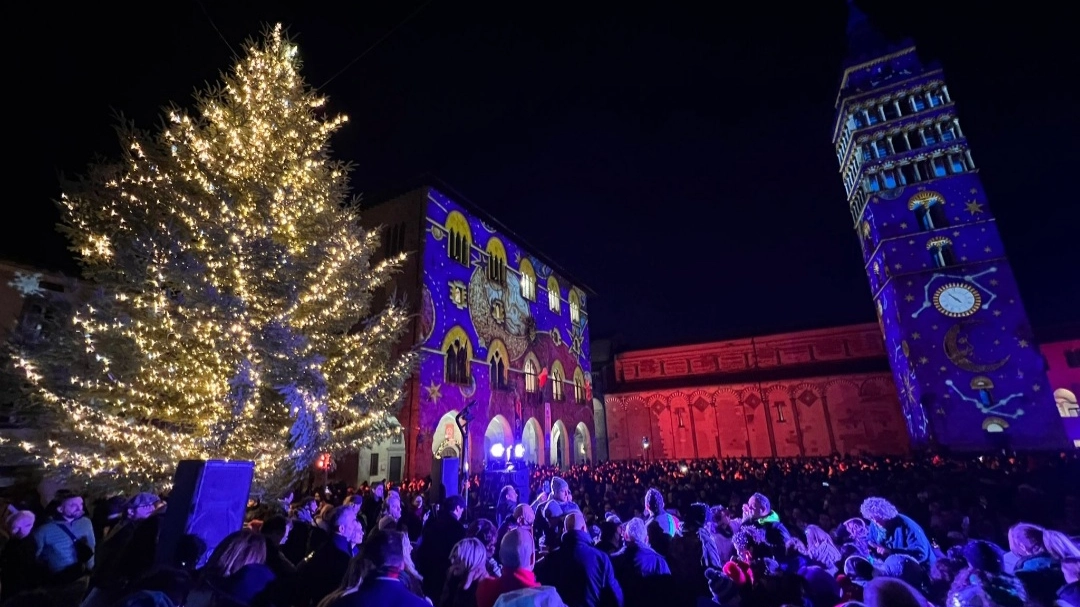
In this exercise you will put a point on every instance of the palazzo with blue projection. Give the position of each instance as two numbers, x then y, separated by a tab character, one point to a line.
964	359
497	326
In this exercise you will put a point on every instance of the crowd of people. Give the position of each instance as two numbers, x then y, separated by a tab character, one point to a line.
990	531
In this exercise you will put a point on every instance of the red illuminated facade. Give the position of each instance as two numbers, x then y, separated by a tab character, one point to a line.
810	393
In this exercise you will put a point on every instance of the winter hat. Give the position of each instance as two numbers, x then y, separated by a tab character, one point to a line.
142	499
723	588
558	484
858	570
984	556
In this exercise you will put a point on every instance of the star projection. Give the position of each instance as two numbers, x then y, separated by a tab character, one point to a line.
231	315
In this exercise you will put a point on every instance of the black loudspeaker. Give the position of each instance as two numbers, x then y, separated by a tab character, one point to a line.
208	500
495	480
444	479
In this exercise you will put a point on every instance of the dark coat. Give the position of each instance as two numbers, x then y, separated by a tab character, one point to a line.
644	576
583	576
320	573
379	592
432	555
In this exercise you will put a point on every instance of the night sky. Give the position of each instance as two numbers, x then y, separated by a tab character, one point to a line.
676	160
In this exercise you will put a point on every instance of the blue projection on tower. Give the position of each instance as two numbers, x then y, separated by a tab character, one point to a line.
963	356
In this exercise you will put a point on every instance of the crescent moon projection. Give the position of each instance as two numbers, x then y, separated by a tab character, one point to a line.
960	355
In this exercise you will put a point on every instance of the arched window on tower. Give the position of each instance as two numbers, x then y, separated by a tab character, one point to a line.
497	360
557	382
458	354
941	249
554	298
929	209
532	380
496	268
459	238
579	386
528	279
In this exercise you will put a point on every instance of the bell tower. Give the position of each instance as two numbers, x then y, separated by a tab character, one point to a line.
969	373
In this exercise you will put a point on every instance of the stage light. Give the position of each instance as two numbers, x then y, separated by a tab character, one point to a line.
684	468
519	451
498	450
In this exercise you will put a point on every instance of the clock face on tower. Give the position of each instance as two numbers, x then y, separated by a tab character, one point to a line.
957	300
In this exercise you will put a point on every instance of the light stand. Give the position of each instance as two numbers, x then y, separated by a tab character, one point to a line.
462	420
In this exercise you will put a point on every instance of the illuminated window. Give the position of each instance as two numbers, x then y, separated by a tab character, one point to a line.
496	267
554	298
497	365
938	165
458	352
941	250
532	381
557	382
929	210
528	280
579	386
459	238
575	306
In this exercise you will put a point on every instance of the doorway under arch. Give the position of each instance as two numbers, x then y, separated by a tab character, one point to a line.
582	444
560	445
446	439
498	432
532	438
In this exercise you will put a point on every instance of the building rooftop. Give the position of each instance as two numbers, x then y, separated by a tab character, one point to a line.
428	181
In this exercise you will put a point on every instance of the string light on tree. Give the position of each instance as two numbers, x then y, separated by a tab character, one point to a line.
233	316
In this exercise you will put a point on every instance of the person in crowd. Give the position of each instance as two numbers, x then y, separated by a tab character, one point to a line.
722	529
857	538
468	567
1040	552
392	518
485	531
382	585
64	548
18	570
236	573
322	571
723	591
552	513
1069	594
984	583
891	592
305	536
661	524
641	572
507	502
108	579
583	576
543	495
758	512
275	530
437	541
523	518
413	518
820	548
611	537
692	552
517	585
894	533
373	505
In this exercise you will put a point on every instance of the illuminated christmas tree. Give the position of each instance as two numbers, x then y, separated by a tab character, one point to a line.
232	311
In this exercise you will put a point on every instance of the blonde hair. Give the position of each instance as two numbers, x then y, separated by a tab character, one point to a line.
1026	539
406	556
239	548
820	546
469	560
